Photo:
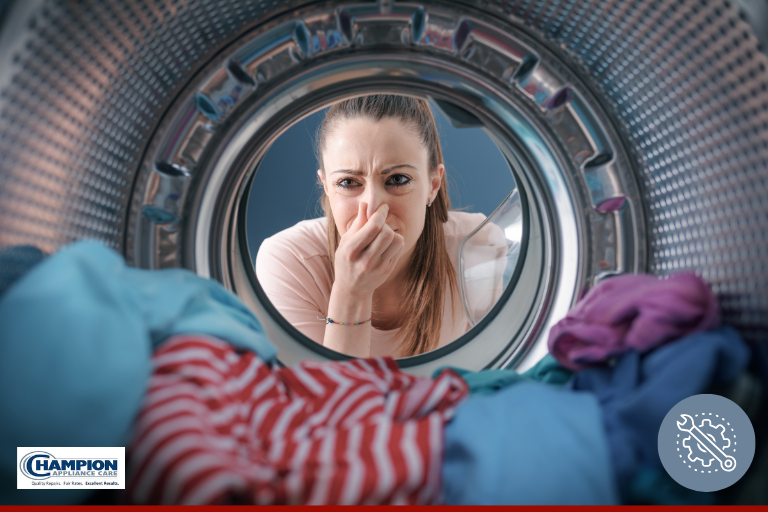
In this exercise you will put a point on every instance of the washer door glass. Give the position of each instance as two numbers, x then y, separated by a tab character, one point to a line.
488	258
284	202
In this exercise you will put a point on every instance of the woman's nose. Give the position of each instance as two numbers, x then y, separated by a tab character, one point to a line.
374	197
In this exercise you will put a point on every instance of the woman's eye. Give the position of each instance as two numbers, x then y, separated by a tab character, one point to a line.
398	180
346	183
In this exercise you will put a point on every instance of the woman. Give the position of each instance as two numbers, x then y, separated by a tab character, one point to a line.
376	276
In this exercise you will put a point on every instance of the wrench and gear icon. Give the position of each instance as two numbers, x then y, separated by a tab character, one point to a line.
706	444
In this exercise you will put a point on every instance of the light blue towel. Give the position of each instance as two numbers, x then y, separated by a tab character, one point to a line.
528	444
76	336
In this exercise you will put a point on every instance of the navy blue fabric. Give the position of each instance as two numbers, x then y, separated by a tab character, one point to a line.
760	356
638	391
15	262
653	486
528	444
76	337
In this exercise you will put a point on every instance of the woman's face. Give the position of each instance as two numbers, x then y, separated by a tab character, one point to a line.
379	162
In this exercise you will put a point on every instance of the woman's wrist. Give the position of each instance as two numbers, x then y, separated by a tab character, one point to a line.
353	340
351	293
349	307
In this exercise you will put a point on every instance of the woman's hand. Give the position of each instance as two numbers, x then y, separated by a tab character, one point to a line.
366	256
367	253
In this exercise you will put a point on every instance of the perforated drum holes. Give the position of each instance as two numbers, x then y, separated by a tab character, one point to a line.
668	108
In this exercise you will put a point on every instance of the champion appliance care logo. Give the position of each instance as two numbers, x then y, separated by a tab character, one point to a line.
73	468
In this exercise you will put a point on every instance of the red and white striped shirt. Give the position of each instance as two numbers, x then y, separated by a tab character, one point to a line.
222	426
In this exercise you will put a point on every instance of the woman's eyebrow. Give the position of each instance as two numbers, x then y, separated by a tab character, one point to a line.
385	171
348	171
390	169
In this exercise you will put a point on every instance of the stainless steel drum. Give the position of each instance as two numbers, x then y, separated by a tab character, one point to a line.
637	132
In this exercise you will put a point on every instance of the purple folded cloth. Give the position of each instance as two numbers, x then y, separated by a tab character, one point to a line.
630	311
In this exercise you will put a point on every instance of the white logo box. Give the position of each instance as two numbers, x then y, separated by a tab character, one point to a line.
70	468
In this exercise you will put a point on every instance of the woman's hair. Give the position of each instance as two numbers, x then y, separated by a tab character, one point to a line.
431	270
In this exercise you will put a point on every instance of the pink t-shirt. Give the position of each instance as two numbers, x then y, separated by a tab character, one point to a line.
294	270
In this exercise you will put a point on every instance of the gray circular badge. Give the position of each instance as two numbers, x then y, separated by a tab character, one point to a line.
706	443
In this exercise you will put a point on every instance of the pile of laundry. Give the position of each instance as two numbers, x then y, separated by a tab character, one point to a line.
179	371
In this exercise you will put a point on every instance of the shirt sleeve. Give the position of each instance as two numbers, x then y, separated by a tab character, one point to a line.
295	285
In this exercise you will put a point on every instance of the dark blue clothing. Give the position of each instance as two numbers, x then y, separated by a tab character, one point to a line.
637	392
15	262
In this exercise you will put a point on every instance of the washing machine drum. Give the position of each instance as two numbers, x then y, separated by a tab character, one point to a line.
636	132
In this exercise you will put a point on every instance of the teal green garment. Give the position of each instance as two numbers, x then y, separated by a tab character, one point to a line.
76	338
485	382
